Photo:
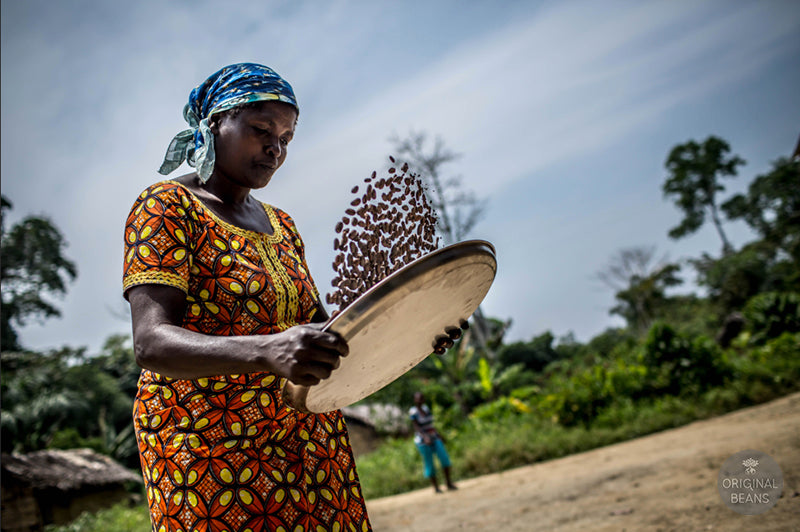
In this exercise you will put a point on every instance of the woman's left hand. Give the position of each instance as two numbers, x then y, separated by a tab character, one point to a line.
445	341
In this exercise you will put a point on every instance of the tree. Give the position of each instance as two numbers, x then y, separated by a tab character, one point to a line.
772	207
640	283
36	403
733	279
32	268
641	303
771	314
627	264
66	398
458	209
679	365
695	171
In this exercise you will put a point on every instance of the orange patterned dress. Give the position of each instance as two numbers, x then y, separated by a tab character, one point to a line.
224	452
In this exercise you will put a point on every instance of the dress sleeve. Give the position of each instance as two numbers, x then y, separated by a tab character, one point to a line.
158	239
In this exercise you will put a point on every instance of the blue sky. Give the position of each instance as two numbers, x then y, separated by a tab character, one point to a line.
563	112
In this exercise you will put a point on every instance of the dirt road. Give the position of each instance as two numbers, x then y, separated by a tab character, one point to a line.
662	482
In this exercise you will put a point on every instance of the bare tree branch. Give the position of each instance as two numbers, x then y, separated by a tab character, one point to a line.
459	210
627	264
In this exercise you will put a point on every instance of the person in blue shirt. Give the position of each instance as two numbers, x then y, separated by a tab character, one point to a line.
429	442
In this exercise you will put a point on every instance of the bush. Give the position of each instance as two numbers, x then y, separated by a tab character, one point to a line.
770	370
605	343
577	399
771	314
677	365
534	355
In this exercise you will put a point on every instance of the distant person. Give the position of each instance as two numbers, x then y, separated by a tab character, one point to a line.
429	442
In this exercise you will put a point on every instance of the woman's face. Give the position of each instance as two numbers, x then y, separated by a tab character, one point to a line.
251	145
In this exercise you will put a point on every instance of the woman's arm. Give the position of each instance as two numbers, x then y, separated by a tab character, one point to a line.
303	354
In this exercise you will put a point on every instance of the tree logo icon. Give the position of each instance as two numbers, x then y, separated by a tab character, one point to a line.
750	465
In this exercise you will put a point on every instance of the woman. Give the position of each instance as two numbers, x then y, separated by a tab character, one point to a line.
224	309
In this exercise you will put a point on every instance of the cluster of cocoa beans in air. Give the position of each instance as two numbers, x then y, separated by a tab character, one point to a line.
387	226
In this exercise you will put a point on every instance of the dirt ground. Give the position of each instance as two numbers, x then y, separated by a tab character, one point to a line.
663	482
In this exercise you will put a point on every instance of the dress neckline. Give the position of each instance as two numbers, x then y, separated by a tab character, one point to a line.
272	216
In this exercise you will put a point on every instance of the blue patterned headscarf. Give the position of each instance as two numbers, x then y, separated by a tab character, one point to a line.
231	86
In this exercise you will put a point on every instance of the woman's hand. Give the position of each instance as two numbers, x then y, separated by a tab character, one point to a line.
306	354
445	341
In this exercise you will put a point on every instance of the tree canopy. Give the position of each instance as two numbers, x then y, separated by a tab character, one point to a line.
771	207
695	173
33	268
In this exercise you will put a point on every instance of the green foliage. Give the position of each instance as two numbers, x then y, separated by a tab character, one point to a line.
533	355
394	468
569	348
32	268
119	518
70	438
607	341
695	171
678	365
691	315
504	407
766	371
66	398
486	376
779	357
645	297
513	378
578	399
735	278
771	207
771	314
37	401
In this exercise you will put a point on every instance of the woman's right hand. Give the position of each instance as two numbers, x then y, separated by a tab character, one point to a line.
305	354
